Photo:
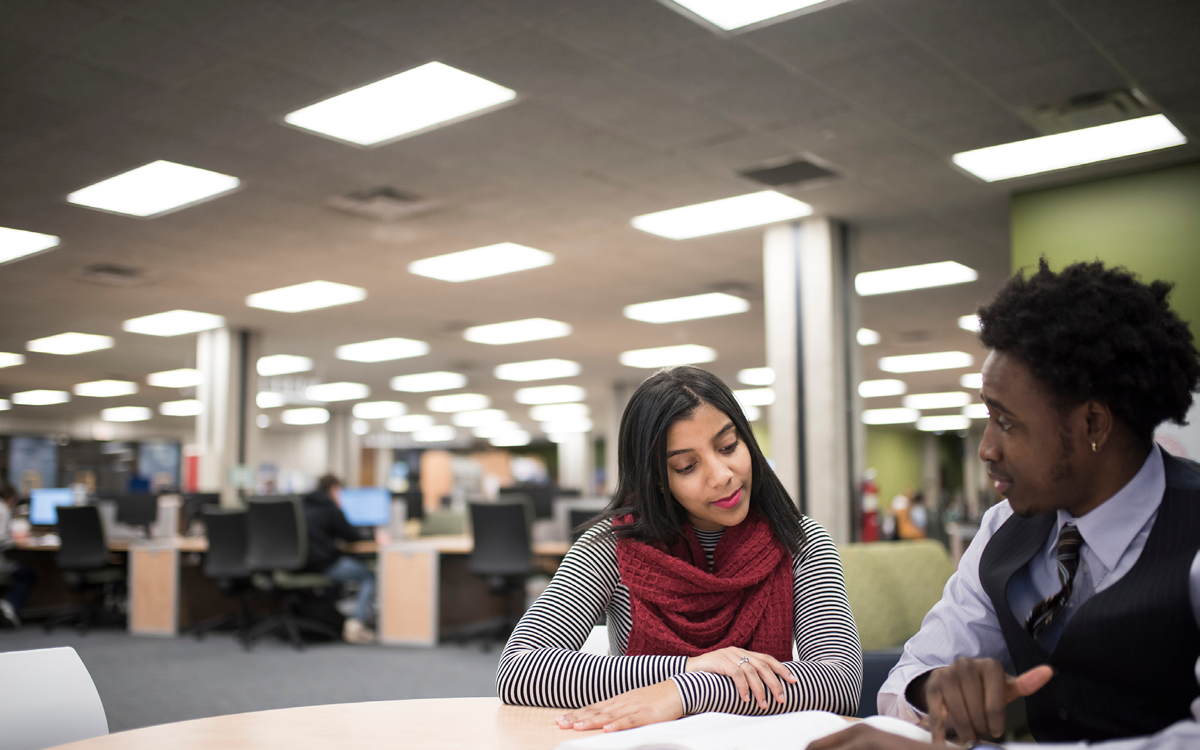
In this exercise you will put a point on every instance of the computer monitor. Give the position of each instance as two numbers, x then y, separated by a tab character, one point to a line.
541	495
138	510
414	503
367	506
44	502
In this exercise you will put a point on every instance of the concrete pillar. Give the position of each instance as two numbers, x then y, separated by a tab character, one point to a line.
342	446
575	461
932	475
809	312
974	472
226	436
620	397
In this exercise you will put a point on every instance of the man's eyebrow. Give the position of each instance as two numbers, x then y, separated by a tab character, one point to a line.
994	404
723	430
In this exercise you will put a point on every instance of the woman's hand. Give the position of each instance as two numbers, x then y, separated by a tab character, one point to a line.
635	708
751	671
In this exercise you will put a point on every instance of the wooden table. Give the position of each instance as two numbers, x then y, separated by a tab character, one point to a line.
437	724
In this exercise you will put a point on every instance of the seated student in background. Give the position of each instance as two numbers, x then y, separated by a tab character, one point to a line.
1081	591
21	577
327	523
707	573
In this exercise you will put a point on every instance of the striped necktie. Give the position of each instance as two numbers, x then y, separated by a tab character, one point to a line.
1069	542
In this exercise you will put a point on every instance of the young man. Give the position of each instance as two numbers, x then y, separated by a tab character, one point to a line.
1081	591
327	523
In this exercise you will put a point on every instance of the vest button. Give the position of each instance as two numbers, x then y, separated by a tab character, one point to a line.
1063	714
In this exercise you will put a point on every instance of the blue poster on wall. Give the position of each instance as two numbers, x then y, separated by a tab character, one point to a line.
158	464
32	462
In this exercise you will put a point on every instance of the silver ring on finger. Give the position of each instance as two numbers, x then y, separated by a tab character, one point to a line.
744	660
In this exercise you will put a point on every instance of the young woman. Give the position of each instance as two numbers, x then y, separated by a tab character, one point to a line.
707	574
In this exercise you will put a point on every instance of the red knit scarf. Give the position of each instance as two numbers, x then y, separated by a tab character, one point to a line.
679	608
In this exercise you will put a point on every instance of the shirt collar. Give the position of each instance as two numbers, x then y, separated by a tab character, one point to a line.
1109	529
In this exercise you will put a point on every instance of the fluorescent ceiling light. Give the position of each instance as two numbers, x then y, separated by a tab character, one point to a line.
969	323
425	382
755	396
496	429
976	411
1063	150
734	14
4	404
440	433
18	243
665	356
263	421
756	376
182	378
9	359
106	388
269	399
511	439
867	337
558	438
538	369
926	362
926	401
948	423
517	331
725	215
890	416
753	413
974	381
283	364
908	278
359	427
565	426
550	394
382	350
156	188
307	415
482	262
687	308
479	417
558	412
126	414
408	423
188	407
401	105
875	388
379	409
173	323
336	392
70	343
40	397
311	295
458	402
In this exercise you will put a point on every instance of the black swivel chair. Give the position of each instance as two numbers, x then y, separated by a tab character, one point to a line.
83	560
577	517
502	557
277	549
225	562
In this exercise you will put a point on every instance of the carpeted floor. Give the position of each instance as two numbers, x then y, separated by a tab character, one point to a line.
145	681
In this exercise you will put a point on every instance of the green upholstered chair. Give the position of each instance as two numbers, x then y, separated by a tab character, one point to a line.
443	523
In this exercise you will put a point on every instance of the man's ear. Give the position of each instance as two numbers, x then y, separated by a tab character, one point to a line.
1099	424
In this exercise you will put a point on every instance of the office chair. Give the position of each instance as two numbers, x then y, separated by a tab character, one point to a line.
577	517
277	549
502	557
49	700
83	560
225	563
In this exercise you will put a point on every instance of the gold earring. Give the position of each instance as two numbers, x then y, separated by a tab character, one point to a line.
1094	448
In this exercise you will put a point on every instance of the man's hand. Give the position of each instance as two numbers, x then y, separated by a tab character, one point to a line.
866	737
751	671
969	697
635	708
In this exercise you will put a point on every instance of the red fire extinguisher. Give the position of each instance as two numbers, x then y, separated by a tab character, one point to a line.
870	508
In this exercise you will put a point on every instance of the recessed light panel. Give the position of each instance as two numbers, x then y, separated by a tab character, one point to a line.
558	412
867	337
687	308
283	364
173	323
9	359
479	417
947	423
307	415
1064	150
379	409
877	388
404	104
969	323
269	399
40	397
126	414
70	343
753	413
511	439
976	411
756	376
106	388
188	407
735	14
440	433
183	378
926	362
907	278
550	394
5	405
538	369
665	356
495	429
974	381
311	295
18	243
359	427
408	423
890	416
336	392
154	189
482	262
517	331
755	396
426	382
382	350
925	401
725	215
566	426
458	402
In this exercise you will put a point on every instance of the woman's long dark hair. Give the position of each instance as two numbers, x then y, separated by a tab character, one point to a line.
667	397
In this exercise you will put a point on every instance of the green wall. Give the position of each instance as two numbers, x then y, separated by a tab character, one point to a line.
898	457
1148	222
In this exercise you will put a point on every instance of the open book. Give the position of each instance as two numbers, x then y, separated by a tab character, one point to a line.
718	731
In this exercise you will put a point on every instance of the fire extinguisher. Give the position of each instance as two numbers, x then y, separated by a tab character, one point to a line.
870	508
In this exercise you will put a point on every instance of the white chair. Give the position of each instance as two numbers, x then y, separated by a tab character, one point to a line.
597	641
47	698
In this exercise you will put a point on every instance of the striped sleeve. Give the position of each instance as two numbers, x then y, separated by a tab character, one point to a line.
542	666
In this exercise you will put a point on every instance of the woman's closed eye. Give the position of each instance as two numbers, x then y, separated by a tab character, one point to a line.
731	447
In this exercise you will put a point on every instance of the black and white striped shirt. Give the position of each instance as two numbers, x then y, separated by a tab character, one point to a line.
542	665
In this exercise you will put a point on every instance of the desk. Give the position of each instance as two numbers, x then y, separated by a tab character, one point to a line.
450	723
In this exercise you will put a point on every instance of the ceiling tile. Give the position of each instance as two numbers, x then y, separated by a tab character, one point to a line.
32	115
626	29
1115	20
1057	80
533	10
141	52
174	112
255	87
1165	55
50	24
1013	43
773	99
427	29
705	67
83	86
529	62
965	134
336	55
841	130
929	19
826	36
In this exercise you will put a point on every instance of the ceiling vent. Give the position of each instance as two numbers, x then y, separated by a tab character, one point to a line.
381	204
1088	110
789	173
112	274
